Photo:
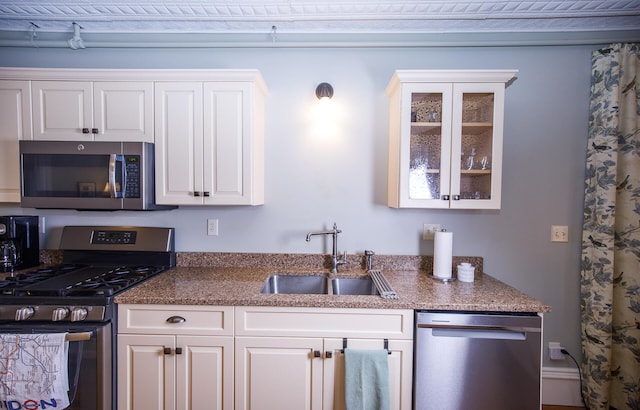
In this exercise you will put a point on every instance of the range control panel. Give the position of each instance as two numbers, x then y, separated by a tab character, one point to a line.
113	237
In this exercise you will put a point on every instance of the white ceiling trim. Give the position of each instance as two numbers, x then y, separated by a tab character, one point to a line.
316	23
308	16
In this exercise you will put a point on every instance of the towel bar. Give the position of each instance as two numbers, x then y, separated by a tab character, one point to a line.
78	337
344	345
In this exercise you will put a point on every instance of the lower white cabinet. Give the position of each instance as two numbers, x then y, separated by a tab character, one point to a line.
175	357
290	358
188	357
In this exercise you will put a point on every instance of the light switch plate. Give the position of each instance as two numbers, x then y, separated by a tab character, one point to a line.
212	227
429	231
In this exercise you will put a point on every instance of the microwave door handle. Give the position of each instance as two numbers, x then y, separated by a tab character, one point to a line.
114	160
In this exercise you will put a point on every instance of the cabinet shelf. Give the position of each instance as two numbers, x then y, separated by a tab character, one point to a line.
475	171
427	124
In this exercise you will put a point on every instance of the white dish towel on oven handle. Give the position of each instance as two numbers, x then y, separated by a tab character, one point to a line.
33	370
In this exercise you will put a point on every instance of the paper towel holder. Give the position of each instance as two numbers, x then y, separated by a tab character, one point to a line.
444	280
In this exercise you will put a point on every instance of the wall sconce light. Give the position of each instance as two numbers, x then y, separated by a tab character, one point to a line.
324	90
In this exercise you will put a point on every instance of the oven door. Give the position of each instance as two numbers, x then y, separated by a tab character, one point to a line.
89	370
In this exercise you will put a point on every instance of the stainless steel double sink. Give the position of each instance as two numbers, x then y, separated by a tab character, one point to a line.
318	285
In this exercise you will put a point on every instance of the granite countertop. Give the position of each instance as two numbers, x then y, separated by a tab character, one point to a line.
239	285
235	279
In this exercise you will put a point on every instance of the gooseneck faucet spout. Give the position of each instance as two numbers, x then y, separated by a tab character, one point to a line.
335	262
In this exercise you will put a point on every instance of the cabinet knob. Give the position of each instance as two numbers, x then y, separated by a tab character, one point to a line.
94	131
85	130
328	354
445	197
196	193
167	350
178	350
456	197
317	353
176	319
206	193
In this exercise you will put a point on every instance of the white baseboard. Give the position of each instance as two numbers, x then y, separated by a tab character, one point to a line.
561	386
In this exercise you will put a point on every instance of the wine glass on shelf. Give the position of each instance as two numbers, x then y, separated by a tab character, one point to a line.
484	163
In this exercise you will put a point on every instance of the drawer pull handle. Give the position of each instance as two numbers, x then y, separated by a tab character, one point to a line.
317	353
178	350
167	350
328	354
176	319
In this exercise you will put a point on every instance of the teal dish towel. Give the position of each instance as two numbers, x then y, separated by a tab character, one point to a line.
366	379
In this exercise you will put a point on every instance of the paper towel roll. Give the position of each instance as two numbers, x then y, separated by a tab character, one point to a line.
442	254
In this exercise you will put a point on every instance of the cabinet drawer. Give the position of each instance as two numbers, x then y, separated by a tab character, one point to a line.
321	322
153	319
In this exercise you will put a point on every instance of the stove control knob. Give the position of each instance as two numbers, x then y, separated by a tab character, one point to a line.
59	314
25	313
78	314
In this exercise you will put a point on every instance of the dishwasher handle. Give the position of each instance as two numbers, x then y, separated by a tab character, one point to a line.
501	333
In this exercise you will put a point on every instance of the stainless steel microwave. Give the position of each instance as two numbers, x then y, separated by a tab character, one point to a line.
87	175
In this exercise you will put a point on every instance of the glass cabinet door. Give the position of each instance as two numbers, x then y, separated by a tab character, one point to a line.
429	146
476	150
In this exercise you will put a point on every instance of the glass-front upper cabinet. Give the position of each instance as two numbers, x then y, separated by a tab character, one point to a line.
445	138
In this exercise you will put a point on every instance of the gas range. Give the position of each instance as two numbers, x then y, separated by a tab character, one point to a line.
98	263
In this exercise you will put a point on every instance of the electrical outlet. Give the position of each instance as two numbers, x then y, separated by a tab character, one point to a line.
555	351
212	227
429	231
559	233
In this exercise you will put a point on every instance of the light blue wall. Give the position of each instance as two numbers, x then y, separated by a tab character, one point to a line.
310	183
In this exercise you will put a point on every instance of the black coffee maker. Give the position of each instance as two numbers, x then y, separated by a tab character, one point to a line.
22	230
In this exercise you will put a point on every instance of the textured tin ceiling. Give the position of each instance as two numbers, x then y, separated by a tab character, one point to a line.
318	19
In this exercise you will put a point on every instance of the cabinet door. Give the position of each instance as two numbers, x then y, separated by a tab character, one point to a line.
400	372
278	373
227	143
178	143
425	146
123	111
146	376
477	135
61	109
204	377
15	117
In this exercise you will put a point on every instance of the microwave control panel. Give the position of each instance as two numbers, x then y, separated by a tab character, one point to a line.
132	169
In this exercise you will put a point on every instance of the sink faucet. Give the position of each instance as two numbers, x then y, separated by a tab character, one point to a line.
335	262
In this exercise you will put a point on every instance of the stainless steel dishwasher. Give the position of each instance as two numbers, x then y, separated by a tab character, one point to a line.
477	361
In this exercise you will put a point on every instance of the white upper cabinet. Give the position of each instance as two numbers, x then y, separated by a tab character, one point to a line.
445	138
15	117
93	111
210	141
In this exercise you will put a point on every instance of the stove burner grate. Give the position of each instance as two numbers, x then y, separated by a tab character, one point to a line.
77	280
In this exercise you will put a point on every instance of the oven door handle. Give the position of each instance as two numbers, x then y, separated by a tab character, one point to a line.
78	337
116	175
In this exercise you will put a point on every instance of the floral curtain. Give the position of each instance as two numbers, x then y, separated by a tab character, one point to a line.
610	274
